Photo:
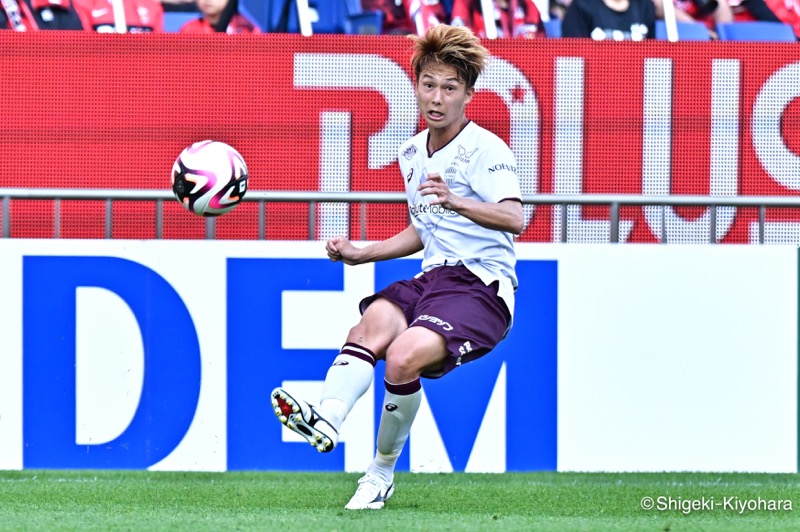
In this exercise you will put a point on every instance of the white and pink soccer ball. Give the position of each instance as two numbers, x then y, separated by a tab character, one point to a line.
209	178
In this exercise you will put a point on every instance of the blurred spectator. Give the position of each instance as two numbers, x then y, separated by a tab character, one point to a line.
124	16
744	10
617	20
788	11
513	18
713	12
178	5
709	12
558	8
401	17
31	15
220	16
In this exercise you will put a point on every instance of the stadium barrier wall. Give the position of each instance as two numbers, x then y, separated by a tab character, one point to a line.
329	113
161	355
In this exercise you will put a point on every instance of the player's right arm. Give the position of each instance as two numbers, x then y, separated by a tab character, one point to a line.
406	242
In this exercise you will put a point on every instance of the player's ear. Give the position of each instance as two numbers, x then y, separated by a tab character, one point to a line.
470	93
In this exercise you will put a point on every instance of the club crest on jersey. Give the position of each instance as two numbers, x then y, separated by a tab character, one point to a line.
463	155
410	152
450	175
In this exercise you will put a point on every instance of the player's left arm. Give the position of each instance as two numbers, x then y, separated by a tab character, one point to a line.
504	216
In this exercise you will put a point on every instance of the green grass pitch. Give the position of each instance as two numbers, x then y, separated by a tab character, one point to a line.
141	500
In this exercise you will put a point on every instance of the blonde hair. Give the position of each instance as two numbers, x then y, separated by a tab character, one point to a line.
455	46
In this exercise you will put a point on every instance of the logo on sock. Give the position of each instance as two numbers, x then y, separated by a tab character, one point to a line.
391	407
341	363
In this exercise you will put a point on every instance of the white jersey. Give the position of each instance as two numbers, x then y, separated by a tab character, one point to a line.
478	165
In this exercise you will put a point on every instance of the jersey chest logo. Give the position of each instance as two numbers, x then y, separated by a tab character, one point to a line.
463	155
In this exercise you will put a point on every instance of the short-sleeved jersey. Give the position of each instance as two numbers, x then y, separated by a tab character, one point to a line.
136	16
478	165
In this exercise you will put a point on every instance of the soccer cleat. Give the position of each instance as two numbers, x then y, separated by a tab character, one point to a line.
372	494
300	417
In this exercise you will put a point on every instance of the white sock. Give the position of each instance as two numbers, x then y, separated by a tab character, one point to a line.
400	407
348	378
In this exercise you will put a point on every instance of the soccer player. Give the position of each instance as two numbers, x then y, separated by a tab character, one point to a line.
465	207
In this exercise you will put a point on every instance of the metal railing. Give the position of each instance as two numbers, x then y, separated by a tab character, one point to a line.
614	201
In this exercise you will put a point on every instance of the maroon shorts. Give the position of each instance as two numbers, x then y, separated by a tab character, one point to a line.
454	302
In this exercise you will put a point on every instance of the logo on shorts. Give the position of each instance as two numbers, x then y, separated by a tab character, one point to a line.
391	407
436	321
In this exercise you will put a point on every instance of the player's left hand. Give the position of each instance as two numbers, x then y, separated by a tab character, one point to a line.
437	192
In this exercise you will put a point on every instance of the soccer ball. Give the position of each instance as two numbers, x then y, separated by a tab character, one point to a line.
209	178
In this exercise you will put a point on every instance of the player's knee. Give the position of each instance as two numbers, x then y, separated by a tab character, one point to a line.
401	365
370	337
380	325
357	333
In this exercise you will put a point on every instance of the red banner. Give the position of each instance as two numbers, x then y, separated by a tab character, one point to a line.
329	112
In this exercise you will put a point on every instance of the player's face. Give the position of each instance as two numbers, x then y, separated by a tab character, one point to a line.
442	97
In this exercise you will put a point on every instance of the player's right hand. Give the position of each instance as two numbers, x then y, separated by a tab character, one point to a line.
332	248
339	248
